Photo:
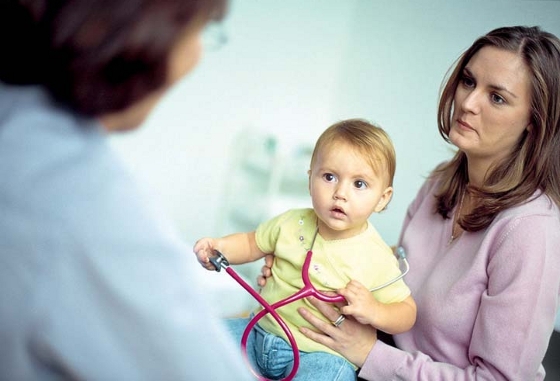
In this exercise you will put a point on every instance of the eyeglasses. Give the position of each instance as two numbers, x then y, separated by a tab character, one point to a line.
213	36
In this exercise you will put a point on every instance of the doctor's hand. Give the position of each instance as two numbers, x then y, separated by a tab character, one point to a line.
351	339
204	249
266	271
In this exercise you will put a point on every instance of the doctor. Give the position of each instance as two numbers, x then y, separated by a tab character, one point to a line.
94	282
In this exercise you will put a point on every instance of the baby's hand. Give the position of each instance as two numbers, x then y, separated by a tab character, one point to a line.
361	303
204	249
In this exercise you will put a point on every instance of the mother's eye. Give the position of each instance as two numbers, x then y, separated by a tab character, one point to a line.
468	81
497	99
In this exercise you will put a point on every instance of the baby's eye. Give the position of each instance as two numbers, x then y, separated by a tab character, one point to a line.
329	177
360	184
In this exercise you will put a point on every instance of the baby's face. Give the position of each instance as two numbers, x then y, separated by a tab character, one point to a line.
345	191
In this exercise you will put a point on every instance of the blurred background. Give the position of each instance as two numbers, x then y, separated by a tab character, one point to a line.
229	146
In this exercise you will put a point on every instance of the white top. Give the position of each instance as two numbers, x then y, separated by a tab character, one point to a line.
94	282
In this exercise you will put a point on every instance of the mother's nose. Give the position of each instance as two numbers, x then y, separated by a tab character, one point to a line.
471	101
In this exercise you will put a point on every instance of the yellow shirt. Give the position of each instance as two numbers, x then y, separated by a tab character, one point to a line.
364	257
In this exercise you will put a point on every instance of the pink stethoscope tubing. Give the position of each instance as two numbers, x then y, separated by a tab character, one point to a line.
307	290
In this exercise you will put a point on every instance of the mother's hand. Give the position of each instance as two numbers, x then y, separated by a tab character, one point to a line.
266	271
351	339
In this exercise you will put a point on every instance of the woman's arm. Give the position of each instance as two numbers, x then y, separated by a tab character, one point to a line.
351	339
511	330
265	270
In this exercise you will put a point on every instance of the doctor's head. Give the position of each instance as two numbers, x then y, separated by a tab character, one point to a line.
100	57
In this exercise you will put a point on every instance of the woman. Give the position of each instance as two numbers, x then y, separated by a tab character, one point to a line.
94	283
483	233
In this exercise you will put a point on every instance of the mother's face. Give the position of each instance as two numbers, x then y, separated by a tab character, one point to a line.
492	105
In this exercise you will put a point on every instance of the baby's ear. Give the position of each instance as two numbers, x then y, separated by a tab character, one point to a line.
384	200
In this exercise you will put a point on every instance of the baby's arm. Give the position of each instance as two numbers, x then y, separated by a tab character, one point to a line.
238	248
391	318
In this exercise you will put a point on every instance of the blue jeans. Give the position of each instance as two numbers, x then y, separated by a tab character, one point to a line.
272	357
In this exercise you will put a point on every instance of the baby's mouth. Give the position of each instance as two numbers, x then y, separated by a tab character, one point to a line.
337	211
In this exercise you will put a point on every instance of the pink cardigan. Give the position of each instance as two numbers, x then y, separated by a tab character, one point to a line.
486	302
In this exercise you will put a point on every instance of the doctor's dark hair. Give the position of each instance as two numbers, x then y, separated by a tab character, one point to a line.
96	56
534	164
368	139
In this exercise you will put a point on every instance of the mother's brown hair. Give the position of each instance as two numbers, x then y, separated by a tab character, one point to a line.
96	56
535	163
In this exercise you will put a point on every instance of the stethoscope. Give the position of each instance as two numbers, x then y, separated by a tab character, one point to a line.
308	289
